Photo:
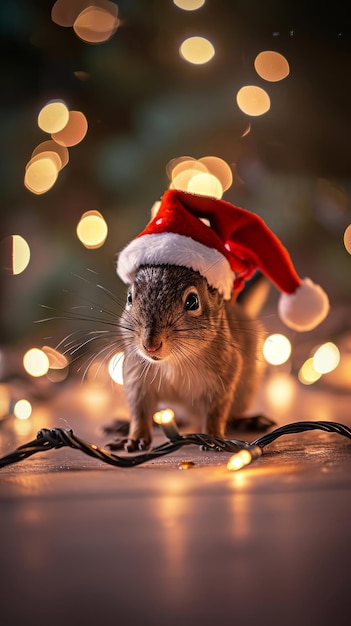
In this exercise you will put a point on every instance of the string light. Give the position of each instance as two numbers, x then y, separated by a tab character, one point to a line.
166	419
243	457
56	438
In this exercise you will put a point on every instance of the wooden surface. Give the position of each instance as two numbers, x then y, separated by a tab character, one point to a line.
86	543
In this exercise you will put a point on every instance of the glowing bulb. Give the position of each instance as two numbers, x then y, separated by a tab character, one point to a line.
271	66
253	100
326	358
35	362
197	50
115	368
347	239
189	5
22	409
92	230
307	374
239	460
276	349
53	117
205	185
163	417
244	457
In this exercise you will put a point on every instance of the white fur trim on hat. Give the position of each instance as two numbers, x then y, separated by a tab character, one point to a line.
174	249
305	308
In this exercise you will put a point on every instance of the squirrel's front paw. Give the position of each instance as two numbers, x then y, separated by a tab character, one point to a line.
128	444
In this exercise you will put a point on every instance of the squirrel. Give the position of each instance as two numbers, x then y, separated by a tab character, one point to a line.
185	345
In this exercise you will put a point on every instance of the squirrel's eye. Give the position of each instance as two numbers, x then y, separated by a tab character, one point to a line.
191	302
129	298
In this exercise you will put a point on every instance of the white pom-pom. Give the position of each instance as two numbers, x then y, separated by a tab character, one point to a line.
304	309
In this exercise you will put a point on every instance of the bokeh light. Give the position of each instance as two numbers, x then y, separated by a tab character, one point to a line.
205	185
253	100
276	349
271	66
347	239
51	155
20	254
326	358
14	254
220	169
5	401
189	5
22	409
308	374
115	368
246	131
96	24
53	117
188	165
280	391
57	361
51	146
165	416
64	12
197	50
208	176
35	362
74	131
92	229
41	174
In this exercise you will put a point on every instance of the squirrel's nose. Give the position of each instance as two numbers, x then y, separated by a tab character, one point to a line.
152	347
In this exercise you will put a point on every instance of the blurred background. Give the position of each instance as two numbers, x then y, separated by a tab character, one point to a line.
143	105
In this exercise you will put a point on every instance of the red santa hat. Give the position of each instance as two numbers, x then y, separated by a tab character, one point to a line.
226	250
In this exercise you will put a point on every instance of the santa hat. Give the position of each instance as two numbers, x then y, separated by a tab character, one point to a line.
226	250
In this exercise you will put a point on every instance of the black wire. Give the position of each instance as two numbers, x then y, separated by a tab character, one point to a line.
48	439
